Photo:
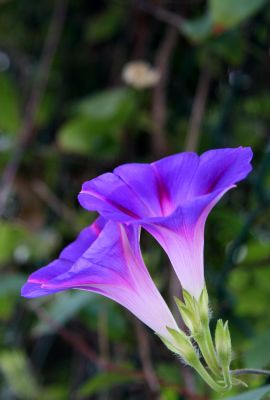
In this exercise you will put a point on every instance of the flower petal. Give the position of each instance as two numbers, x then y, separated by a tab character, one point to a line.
135	191
182	237
65	261
171	198
87	236
220	169
174	175
135	176
108	193
113	266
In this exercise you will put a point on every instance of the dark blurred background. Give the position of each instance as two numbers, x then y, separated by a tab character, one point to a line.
87	85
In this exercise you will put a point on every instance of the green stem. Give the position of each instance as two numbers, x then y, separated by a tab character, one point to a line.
227	376
211	348
207	349
207	378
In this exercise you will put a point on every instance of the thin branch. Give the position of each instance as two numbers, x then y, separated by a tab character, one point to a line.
44	192
252	371
26	134
74	340
198	109
159	104
145	357
161	14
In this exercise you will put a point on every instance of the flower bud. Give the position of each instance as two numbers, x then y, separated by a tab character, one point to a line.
223	343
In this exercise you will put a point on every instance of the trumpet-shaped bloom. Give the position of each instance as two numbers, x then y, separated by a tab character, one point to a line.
171	199
106	259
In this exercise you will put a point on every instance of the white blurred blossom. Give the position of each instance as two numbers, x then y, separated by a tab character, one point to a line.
140	74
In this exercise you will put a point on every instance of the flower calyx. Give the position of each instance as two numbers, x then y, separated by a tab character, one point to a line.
217	355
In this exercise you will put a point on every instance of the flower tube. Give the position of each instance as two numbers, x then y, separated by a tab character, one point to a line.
171	199
106	259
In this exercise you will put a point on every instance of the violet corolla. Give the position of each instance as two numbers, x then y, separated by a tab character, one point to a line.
106	259
171	199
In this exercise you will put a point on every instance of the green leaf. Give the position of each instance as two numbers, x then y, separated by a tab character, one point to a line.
98	122
63	307
10	118
198	29
104	381
18	375
11	236
21	380
257	394
77	136
89	137
230	47
59	392
10	287
19	243
108	104
104	26
11	284
245	282
169	394
258	105
258	355
257	250
230	13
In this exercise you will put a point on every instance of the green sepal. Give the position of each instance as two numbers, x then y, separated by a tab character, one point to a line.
186	314
190	313
198	309
204	306
168	344
239	382
228	340
183	344
189	299
179	336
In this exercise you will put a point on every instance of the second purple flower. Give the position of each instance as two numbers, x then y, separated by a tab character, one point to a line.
171	199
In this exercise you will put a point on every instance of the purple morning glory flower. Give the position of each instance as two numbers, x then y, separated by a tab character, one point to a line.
171	199
106	259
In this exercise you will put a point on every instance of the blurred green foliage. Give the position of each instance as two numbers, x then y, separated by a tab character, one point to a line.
10	117
88	122
258	394
97	123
